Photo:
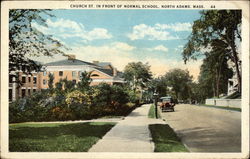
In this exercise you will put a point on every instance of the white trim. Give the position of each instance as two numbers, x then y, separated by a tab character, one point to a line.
87	68
107	80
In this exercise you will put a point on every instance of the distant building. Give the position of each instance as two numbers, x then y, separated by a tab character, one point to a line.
28	83
232	85
233	82
71	69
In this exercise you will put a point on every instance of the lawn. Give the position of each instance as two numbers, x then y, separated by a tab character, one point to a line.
63	137
151	113
165	139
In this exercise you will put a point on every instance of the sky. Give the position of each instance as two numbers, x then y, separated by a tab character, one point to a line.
122	36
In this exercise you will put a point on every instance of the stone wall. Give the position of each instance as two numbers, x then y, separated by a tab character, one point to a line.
224	102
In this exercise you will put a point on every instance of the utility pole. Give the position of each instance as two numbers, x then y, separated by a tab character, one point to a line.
155	102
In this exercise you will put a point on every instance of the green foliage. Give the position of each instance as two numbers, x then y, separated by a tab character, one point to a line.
69	103
85	81
51	80
151	112
68	85
235	95
159	84
214	75
219	32
29	109
59	87
59	137
137	74
179	80
165	139
25	40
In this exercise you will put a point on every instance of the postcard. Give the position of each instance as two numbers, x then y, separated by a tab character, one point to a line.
125	79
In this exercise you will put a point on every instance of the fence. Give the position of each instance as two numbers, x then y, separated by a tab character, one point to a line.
224	102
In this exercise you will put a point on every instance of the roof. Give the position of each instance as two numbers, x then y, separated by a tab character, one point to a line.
107	71
102	64
69	62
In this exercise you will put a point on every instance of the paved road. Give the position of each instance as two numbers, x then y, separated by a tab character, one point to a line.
204	129
129	135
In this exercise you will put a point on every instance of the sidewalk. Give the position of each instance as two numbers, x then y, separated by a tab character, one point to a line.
129	135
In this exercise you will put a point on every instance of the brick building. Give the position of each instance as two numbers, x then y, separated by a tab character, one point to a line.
71	69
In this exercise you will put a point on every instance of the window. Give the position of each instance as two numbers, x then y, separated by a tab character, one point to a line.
29	79
44	82
34	80
28	91
74	81
23	92
23	79
44	73
60	73
34	90
73	73
95	75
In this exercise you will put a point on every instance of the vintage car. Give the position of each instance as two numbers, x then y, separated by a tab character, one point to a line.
167	104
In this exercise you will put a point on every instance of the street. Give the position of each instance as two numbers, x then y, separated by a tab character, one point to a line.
204	129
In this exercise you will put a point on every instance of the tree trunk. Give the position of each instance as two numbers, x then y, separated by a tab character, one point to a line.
176	94
214	90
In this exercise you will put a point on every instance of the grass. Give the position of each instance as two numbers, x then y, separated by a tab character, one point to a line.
223	107
235	95
151	113
165	139
54	137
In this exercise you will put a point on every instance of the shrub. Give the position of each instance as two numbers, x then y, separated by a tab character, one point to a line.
73	104
79	103
28	108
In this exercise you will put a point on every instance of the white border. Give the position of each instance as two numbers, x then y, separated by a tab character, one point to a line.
6	5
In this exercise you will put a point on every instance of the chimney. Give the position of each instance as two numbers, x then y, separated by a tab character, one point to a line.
114	72
96	62
71	57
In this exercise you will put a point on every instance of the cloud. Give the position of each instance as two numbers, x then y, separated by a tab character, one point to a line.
175	26
65	28
160	66
158	31
158	48
120	54
143	31
120	57
123	46
179	48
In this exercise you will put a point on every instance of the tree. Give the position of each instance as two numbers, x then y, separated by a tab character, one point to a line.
69	86
158	84
216	29
85	81
26	41
137	74
51	80
180	81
